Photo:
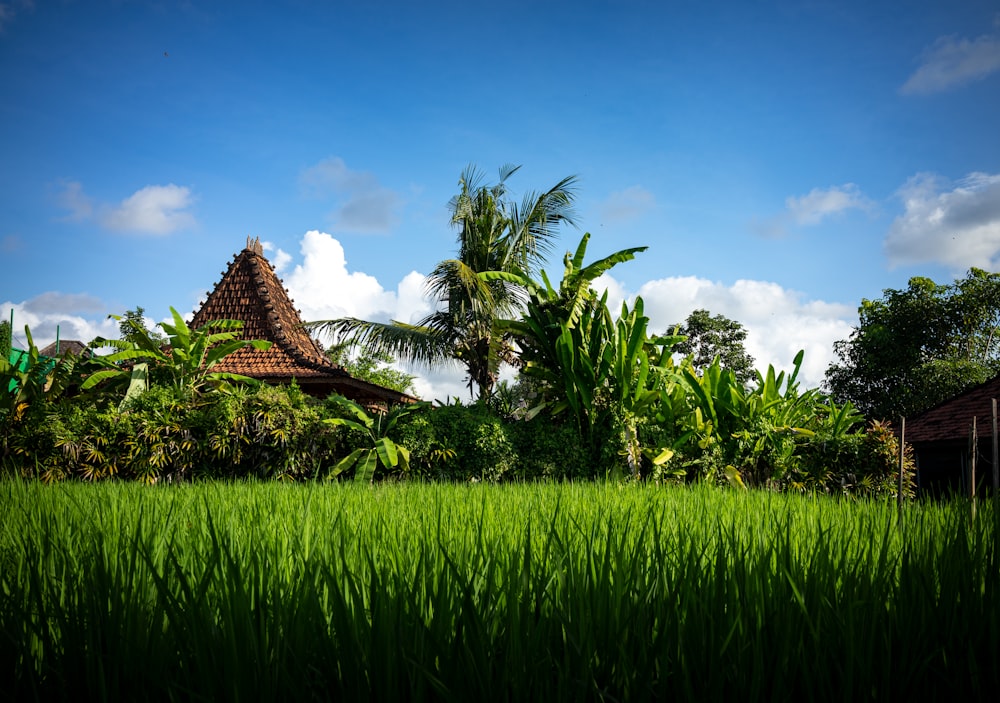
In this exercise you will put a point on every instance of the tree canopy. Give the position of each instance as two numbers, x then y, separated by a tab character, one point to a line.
374	368
708	336
916	347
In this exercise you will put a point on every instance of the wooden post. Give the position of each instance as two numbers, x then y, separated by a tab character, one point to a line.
972	460
996	454
902	455
972	467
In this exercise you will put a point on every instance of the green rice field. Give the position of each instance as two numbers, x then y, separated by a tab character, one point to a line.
268	591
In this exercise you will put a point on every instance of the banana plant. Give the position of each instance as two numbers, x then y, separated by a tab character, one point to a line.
33	379
187	360
382	451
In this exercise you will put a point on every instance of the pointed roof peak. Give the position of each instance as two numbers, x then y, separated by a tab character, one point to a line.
254	246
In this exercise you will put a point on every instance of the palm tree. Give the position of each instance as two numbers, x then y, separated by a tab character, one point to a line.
494	234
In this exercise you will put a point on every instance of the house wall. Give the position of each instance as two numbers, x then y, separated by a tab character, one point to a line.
943	468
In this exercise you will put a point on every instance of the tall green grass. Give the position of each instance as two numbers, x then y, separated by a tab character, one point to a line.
471	592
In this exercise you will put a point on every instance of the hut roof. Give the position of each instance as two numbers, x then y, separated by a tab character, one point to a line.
72	346
251	292
952	419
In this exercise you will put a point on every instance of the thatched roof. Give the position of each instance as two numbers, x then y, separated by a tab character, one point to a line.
251	291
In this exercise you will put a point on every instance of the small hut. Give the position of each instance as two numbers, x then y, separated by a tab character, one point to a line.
250	291
942	440
66	346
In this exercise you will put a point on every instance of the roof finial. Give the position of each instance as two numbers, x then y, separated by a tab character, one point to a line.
254	245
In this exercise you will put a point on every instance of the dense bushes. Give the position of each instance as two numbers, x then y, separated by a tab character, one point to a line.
273	432
170	433
277	432
470	443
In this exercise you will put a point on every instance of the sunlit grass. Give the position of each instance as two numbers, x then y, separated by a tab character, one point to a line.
475	592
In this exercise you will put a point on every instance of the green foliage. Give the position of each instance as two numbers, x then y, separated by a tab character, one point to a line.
380	449
188	361
749	436
586	365
917	347
554	592
707	336
864	464
170	434
132	327
494	234
28	386
372	367
461	443
6	339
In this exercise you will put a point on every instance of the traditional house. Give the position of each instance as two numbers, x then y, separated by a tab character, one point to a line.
250	291
944	445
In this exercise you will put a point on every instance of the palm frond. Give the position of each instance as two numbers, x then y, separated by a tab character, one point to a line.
423	344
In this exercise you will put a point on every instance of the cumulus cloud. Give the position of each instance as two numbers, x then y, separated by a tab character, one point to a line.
813	208
54	302
73	316
324	288
279	258
363	204
957	225
952	62
821	203
627	204
779	322
151	210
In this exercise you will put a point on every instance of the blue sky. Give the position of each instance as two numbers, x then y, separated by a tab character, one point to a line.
782	161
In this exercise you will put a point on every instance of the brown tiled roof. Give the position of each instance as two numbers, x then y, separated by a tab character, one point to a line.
952	419
250	291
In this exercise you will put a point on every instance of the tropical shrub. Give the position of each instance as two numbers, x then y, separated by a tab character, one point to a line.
170	433
378	450
548	450
861	463
461	443
28	388
186	361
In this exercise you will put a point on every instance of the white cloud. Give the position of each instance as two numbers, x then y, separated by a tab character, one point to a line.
952	62
279	259
71	316
779	322
364	205
151	210
957	225
813	208
627	204
55	302
324	288
821	203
